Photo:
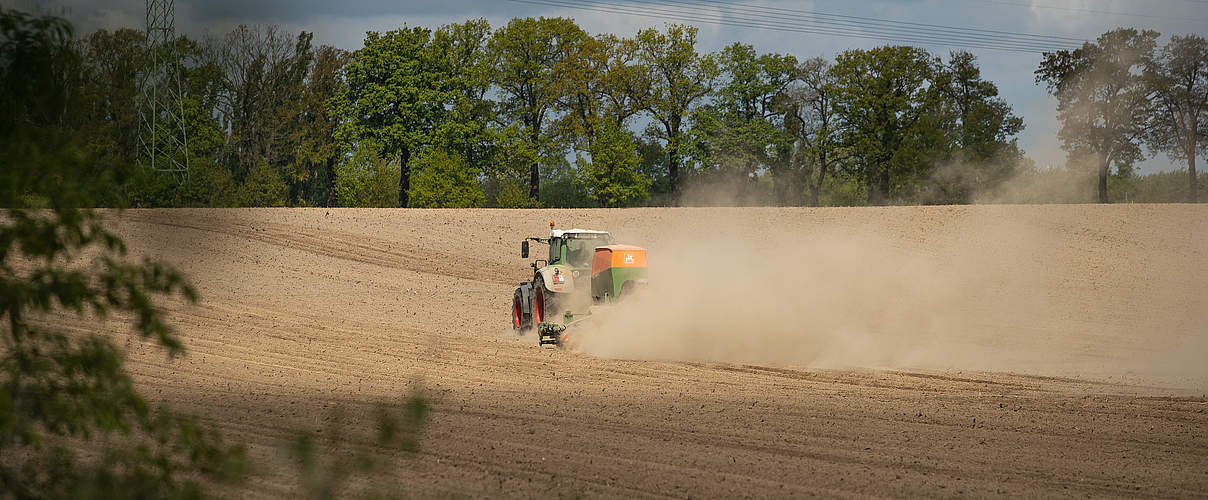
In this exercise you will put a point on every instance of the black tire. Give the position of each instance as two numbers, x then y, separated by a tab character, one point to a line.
541	302
521	322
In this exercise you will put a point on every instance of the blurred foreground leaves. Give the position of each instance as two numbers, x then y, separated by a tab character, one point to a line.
330	466
72	424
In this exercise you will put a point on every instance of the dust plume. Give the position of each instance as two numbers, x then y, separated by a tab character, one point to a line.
919	289
1072	183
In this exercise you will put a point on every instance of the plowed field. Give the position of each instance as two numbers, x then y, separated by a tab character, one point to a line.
914	351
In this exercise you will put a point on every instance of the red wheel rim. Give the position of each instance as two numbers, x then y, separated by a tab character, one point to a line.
516	313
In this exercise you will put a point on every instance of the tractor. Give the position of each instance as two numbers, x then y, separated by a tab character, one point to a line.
585	268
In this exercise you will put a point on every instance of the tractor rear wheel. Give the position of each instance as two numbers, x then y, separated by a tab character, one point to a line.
539	298
520	322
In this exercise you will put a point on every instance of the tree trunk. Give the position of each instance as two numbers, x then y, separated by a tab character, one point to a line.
673	171
673	160
331	182
1103	164
535	170
816	187
1192	195
404	177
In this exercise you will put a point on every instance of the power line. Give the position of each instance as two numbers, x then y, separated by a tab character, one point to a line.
882	27
871	31
1097	11
866	31
1055	38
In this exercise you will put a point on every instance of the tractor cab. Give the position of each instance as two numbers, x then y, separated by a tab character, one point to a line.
575	247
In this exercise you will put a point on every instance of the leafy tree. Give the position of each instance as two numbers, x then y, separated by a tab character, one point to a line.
985	122
741	131
513	194
559	188
395	97
598	82
263	187
882	94
980	132
445	180
367	179
679	78
599	88
624	85
810	118
578	87
318	148
652	161
1102	100
526	51
72	424
611	178
1178	78
461	49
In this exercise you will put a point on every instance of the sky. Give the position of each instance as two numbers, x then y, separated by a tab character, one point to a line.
344	23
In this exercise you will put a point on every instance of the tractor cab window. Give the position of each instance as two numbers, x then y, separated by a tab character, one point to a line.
580	247
555	250
580	251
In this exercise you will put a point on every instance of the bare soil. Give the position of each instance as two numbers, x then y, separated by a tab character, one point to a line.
943	352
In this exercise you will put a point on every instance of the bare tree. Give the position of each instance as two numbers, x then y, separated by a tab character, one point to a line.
263	73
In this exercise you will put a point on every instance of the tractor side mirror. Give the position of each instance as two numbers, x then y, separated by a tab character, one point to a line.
524	249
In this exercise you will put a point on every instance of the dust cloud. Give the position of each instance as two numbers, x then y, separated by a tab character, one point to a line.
914	288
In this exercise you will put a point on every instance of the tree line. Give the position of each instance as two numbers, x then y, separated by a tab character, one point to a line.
539	112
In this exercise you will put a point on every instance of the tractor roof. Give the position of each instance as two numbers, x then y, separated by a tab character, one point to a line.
557	233
620	248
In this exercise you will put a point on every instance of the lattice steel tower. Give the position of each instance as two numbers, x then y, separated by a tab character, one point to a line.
163	140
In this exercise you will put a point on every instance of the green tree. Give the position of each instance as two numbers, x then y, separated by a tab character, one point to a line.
317	147
1102	100
367	179
512	194
810	118
526	51
741	130
984	151
882	94
1178	78
445	180
395	97
263	187
679	78
467	130
612	178
72	424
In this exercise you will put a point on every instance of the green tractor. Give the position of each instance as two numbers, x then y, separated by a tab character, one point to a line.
584	268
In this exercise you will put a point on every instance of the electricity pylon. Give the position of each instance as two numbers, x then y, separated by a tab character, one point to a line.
163	140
